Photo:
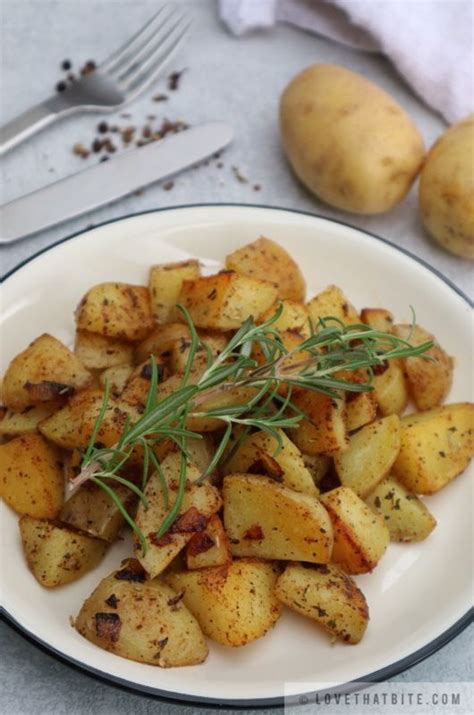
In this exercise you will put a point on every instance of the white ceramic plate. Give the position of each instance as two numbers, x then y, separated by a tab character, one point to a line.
419	596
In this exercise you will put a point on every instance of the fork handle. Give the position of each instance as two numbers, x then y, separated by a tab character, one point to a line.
28	123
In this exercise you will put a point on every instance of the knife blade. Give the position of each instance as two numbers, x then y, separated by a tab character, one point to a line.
110	180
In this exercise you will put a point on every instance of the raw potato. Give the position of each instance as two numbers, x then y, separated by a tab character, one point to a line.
436	446
97	352
145	621
165	285
269	521
259	453
15	423
234	604
31	476
45	371
224	301
324	432
267	260
370	455
208	548
116	310
326	595
332	303
348	141
406	517
56	555
429	380
92	511
446	194
200	502
360	536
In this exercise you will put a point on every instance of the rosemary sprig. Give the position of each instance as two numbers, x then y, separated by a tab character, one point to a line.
331	348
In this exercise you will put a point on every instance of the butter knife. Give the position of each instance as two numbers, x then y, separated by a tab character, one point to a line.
110	180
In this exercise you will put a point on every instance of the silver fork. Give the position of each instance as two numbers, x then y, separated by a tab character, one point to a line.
115	82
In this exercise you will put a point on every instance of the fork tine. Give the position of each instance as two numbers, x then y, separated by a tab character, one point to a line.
117	57
145	74
133	63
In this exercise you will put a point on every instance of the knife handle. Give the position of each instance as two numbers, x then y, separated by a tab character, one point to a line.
27	124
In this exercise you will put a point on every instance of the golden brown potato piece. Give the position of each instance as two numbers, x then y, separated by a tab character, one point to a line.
165	285
233	604
72	426
137	386
116	310
208	548
224	301
436	446
360	536
141	620
259	453
429	380
161	341
446	192
348	141
324	432
391	389
212	343
45	371
97	352
294	317
269	521
361	409
370	455
406	517
91	510
201	451
267	260
200	502
232	397
326	595
317	465
332	303
377	318
56	555
15	423
390	385
31	476
116	378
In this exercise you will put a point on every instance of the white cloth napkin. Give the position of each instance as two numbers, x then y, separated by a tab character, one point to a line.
430	42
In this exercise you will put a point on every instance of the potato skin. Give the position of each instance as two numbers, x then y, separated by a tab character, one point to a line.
348	141
446	194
